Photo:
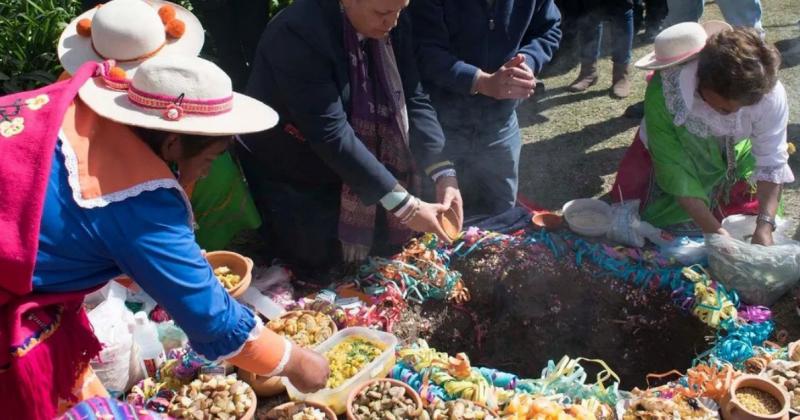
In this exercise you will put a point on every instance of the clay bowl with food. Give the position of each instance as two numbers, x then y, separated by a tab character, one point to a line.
752	397
461	409
289	410
271	386
406	401
237	265
449	221
184	405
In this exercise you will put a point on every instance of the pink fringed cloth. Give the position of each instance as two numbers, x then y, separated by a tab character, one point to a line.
46	341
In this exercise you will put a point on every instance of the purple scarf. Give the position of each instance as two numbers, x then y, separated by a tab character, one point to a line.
378	117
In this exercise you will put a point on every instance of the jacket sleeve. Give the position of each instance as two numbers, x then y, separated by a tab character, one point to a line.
437	64
425	133
542	38
306	84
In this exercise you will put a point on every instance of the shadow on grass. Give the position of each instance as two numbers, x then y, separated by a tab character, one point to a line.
790	52
576	166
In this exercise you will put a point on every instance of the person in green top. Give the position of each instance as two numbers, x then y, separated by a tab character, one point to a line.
713	139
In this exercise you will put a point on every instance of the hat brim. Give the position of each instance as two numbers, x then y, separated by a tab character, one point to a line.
74	50
649	61
247	116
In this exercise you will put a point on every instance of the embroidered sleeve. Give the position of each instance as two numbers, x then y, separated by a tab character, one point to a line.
780	174
149	239
770	117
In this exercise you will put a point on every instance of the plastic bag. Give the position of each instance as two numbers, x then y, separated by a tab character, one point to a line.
171	336
759	274
686	251
112	323
625	224
742	226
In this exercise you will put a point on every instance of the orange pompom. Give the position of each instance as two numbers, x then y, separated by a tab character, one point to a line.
166	13
84	27
175	28
117	73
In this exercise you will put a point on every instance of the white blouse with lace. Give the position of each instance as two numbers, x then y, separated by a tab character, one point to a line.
764	122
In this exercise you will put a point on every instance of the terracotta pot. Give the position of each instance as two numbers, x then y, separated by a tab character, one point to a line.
262	385
238	264
329	414
732	409
547	220
449	221
251	412
409	391
268	387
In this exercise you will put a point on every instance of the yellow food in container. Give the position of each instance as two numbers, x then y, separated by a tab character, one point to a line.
346	374
226	277
349	356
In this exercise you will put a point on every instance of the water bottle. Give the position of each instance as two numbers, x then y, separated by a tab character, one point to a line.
151	352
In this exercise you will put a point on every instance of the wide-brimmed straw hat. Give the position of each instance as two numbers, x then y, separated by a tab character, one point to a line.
178	94
129	32
680	43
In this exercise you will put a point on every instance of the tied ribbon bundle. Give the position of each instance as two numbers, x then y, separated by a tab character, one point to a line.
712	303
382	314
700	381
420	272
568	378
437	376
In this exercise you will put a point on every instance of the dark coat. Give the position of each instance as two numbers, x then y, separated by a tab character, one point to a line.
300	70
457	37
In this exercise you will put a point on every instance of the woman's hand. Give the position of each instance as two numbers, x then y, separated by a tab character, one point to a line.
307	370
426	219
763	235
448	194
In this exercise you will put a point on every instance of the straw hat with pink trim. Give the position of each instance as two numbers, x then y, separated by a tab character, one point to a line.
130	32
179	94
680	43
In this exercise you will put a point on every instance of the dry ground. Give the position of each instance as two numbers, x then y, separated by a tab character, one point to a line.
573	142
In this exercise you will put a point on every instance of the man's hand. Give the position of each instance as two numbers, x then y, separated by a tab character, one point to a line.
426	219
514	80
307	370
448	195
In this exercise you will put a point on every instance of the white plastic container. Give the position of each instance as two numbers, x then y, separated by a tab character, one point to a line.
588	216
151	352
336	398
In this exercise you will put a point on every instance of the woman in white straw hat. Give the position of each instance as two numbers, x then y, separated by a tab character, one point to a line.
131	32
713	139
89	195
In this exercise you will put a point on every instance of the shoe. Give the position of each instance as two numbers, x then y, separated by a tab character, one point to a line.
635	111
621	84
586	79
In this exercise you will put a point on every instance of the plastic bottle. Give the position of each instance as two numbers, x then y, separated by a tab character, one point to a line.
262	304
151	352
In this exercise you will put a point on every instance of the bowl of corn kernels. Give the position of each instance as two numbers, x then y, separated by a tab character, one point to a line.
234	271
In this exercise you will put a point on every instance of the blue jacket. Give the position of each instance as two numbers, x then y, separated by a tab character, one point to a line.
301	70
455	38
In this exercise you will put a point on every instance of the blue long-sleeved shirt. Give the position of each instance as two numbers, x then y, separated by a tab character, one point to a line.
148	238
455	38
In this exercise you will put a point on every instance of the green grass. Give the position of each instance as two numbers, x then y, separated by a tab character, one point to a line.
574	142
29	31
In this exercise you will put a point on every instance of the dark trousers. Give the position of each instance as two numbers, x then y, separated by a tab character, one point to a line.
619	21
